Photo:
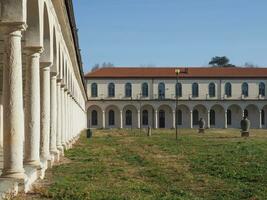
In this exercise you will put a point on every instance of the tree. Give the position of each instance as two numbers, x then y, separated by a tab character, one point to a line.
220	61
104	65
250	65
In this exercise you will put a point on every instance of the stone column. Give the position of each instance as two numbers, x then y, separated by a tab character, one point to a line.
260	118
59	117
32	107
156	119
53	113
13	104
208	117
243	114
45	110
63	128
104	119
225	119
191	119
139	119
121	119
173	119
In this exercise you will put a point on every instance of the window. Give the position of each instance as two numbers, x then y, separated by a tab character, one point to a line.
145	117
212	117
111	118
161	90
179	117
128	90
262	117
228	89
194	90
212	90
178	90
128	118
262	89
144	90
195	117
245	113
94	118
229	117
94	90
111	90
245	89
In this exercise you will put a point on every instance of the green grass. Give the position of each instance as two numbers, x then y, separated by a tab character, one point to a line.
125	165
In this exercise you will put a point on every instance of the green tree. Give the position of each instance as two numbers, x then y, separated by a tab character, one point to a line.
220	61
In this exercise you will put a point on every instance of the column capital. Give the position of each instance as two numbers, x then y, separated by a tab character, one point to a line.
53	74
10	27
45	65
31	50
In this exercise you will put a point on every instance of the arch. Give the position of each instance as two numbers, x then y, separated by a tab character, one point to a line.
228	89
94	118
145	89
178	90
150	113
115	112
145	117
262	89
212	90
179	117
244	89
166	118
212	117
252	112
111	90
195	92
98	115
185	121
161	90
130	115
111	117
202	113
236	115
195	117
219	112
128	90
94	90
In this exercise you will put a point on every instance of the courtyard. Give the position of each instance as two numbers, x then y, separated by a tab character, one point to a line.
126	164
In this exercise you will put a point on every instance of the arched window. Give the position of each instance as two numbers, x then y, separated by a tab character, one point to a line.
212	91
128	118
111	118
145	117
161	90
94	90
144	90
128	90
262	89
245	89
212	117
111	89
228	89
94	118
262	117
195	117
195	90
179	117
245	113
179	90
229	117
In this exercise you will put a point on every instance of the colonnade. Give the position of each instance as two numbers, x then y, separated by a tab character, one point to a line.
43	95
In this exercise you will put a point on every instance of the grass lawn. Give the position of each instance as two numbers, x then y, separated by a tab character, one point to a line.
127	165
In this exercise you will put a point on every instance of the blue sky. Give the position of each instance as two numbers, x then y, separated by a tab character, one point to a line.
171	32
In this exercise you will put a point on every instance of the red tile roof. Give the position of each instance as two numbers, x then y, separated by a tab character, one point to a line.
167	72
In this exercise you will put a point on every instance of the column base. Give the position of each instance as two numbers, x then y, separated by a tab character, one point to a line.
33	164
14	175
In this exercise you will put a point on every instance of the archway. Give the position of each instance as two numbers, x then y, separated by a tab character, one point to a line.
112	116
185	115
253	115
202	113
130	116
219	120
235	115
165	118
94	117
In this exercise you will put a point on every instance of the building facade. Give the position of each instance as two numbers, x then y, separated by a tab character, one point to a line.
42	89
157	97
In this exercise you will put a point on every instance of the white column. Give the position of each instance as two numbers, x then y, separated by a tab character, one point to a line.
139	119
45	110
63	128
32	107
191	119
260	118
53	113
59	117
243	114
121	120
208	117
104	119
156	119
13	105
225	119
173	119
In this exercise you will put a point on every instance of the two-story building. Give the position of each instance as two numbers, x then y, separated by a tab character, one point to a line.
158	97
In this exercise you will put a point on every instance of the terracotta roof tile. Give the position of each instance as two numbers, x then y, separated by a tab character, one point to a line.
167	72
